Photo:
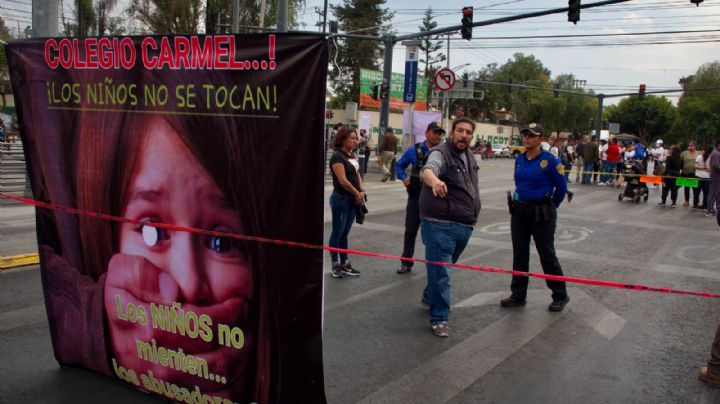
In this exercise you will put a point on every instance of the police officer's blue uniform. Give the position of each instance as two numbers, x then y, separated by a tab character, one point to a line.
412	211
540	187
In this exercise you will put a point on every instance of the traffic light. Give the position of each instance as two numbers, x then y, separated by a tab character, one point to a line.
641	92
556	93
697	2
375	92
574	11
467	20
509	87
384	91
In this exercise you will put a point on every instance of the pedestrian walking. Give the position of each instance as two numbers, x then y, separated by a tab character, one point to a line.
703	174
348	192
364	147
387	151
591	157
449	207
710	374
673	168
579	157
415	157
689	157
540	187
714	167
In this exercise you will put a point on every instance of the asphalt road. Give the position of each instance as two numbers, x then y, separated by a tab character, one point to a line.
608	346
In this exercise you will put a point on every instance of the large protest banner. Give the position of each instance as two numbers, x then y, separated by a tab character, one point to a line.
183	141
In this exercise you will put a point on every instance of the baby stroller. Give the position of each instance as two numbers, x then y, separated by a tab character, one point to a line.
634	189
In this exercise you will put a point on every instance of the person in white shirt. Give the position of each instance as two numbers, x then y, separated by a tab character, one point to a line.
658	156
702	171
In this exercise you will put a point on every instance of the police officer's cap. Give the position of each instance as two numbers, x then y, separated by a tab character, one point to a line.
534	128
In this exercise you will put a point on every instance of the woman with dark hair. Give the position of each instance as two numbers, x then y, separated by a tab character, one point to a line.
702	171
348	192
673	167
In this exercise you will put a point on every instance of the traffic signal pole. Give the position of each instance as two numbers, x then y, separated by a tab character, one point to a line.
387	76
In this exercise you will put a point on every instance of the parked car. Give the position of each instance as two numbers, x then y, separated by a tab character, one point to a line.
500	151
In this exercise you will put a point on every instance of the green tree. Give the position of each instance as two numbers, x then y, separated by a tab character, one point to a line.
83	11
650	118
363	17
250	14
4	70
526	70
116	26
698	113
168	16
102	9
429	46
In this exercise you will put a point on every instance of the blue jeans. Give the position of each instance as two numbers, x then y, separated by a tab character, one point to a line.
343	216
444	242
608	167
587	169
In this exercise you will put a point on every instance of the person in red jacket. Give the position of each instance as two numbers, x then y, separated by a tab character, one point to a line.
613	155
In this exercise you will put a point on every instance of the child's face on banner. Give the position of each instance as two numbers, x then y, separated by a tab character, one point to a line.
206	274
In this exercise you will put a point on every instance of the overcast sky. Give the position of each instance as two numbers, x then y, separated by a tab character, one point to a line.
609	69
609	64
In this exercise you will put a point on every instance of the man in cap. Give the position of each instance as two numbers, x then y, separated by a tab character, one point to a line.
658	157
414	156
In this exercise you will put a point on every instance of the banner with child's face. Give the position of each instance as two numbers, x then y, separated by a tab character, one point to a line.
175	153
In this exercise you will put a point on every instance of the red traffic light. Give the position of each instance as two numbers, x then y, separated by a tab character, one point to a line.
467	10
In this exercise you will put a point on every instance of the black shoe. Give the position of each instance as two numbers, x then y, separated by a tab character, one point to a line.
336	271
403	269
512	302
558	305
348	270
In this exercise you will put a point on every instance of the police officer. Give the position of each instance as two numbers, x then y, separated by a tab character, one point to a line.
540	187
414	156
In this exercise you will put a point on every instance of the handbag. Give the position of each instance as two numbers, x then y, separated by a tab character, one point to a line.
360	212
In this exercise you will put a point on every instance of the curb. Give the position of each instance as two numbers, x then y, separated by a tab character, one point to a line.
15	261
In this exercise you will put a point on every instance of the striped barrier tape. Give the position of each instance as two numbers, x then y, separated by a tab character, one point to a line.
571	279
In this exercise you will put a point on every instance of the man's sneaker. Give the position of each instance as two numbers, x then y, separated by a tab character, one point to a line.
710	214
661	204
512	302
403	269
441	329
336	271
348	270
672	205
558	305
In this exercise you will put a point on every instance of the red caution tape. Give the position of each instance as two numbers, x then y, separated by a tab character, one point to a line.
571	279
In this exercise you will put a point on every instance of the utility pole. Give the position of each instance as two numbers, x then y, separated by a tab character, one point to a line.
446	113
235	16
598	121
387	76
45	18
282	17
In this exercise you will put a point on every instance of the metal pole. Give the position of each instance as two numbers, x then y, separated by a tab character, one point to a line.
236	16
282	17
80	17
598	121
325	16
446	113
262	13
387	76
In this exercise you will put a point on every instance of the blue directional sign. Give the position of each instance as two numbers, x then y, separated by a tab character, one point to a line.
411	70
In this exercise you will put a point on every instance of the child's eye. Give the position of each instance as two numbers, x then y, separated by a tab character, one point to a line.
221	245
153	235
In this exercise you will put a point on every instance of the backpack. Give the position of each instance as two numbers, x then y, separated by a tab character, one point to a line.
564	156
639	152
415	182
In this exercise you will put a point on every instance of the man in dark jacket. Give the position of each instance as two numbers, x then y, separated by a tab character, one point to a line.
591	156
449	206
386	151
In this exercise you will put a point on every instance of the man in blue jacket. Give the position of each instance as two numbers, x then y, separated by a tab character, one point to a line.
414	156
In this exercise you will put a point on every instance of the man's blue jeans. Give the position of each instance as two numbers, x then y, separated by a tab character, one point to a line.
608	167
444	242
587	172
343	216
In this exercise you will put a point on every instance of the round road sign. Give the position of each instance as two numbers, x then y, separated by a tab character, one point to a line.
444	79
